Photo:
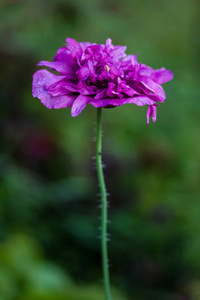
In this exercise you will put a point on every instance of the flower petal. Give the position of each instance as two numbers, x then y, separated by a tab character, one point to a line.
58	101
161	76
130	60
154	87
84	45
61	67
74	47
151	111
100	95
42	82
114	70
83	73
138	100
154	114
79	104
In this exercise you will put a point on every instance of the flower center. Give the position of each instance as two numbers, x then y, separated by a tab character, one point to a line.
107	68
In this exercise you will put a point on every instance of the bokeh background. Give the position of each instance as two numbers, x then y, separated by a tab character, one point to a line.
49	246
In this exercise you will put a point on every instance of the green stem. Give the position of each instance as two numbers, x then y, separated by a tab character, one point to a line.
102	185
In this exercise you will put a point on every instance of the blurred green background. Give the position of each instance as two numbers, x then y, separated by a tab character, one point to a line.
49	246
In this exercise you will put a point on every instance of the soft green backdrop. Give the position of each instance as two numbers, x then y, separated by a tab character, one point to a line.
48	189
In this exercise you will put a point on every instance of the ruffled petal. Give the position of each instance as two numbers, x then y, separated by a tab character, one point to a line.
138	100
84	45
108	42
74	47
153	87
161	76
62	67
114	70
63	87
83	73
43	80
118	52
154	114
58	101
100	95
65	57
79	104
64	50
130	60
42	83
151	111
59	89
146	72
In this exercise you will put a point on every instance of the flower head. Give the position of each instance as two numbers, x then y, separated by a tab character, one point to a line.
101	75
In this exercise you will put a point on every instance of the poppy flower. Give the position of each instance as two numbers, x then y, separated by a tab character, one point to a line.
101	75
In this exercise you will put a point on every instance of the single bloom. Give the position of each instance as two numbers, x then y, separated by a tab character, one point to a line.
101	75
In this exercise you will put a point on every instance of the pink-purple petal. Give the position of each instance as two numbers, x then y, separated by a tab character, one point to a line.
74	47
43	80
138	100
100	95
59	101
79	104
83	73
42	83
130	60
151	112
153	87
62	68
161	76
154	114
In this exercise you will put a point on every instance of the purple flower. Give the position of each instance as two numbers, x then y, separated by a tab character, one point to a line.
101	75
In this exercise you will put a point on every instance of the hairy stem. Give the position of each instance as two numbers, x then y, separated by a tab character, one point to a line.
104	213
